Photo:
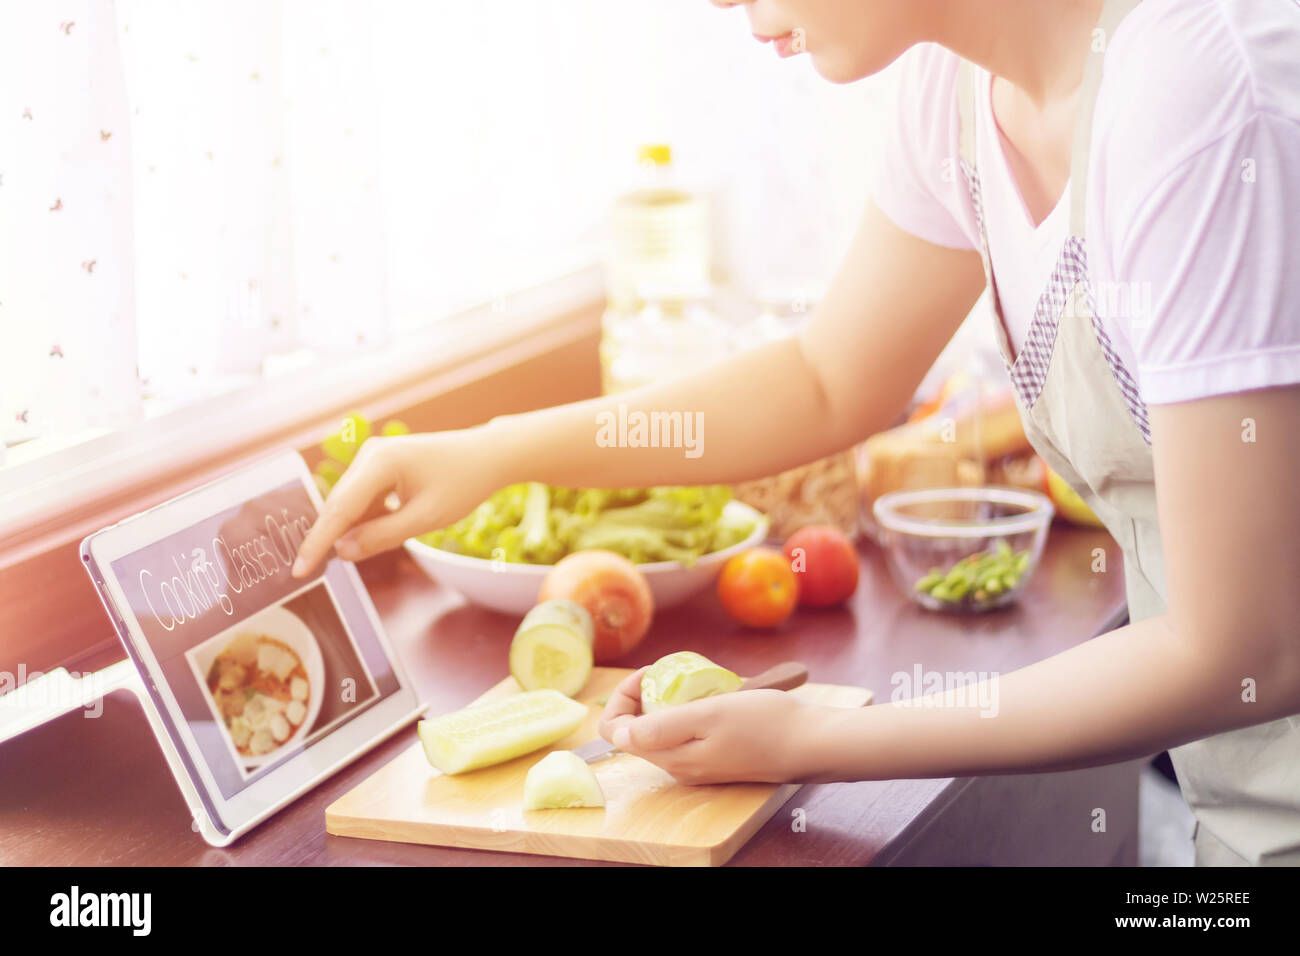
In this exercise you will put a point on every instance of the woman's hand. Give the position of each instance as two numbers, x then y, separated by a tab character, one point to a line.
437	477
751	735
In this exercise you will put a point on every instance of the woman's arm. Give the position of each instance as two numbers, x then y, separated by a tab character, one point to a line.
893	305
1225	655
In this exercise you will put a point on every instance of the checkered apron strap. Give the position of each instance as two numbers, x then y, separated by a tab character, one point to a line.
1081	148
967	91
1028	369
1076	249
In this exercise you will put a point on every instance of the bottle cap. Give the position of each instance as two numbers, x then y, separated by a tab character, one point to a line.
655	154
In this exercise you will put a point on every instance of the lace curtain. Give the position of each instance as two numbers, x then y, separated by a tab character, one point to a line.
186	188
67	289
191	189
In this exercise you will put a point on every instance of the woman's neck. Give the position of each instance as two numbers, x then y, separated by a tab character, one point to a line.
1039	46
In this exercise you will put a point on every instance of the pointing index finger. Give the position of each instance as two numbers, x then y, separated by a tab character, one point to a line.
316	545
344	507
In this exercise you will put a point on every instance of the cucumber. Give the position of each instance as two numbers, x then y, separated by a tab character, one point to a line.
561	779
682	677
552	648
499	730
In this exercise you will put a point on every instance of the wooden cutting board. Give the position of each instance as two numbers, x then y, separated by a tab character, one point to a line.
648	817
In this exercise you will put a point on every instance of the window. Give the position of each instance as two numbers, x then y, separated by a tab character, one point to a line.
196	197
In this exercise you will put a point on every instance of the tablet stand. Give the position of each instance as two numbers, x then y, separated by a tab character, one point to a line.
56	693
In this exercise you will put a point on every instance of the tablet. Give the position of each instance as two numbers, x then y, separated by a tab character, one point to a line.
258	685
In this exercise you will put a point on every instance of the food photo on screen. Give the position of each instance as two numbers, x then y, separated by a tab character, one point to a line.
281	678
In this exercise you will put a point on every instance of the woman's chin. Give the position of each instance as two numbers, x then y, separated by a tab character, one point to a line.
838	69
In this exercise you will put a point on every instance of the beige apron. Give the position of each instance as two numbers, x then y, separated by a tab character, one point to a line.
1083	414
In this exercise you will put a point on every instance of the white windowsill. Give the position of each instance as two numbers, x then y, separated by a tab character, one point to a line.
44	485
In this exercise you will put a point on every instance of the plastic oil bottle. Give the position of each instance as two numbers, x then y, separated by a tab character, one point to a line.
670	331
659	252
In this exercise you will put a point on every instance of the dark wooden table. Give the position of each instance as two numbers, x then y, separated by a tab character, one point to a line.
98	791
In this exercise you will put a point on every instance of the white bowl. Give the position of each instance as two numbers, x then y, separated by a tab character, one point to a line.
512	588
286	627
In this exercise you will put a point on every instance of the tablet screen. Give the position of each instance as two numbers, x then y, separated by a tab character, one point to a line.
262	665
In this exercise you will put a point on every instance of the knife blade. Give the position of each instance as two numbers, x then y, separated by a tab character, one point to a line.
784	676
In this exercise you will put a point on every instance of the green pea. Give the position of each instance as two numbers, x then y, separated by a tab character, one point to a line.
981	576
929	581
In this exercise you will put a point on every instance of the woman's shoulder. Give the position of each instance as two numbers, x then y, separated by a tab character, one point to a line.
1195	165
1190	89
926	102
1180	74
917	182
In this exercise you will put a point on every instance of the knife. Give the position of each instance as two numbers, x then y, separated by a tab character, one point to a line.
785	676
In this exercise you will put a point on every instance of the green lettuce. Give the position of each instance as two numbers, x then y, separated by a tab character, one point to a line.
532	523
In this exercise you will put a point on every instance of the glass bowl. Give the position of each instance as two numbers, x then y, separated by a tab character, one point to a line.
962	549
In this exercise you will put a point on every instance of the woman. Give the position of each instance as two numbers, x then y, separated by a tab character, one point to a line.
1126	178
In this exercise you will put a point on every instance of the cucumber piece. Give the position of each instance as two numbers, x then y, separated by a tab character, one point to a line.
683	677
561	779
499	730
553	647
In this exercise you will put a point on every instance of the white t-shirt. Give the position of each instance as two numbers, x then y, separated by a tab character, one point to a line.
1193	208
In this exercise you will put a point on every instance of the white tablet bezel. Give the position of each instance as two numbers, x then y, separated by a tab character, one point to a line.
222	819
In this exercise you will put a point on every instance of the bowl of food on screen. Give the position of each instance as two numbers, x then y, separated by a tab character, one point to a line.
963	549
678	537
265	681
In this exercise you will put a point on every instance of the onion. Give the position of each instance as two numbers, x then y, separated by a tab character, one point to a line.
614	593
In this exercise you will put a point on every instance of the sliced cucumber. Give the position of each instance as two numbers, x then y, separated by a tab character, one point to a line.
499	730
561	779
682	677
552	647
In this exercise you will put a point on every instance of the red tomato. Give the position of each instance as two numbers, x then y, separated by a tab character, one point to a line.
757	588
825	564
